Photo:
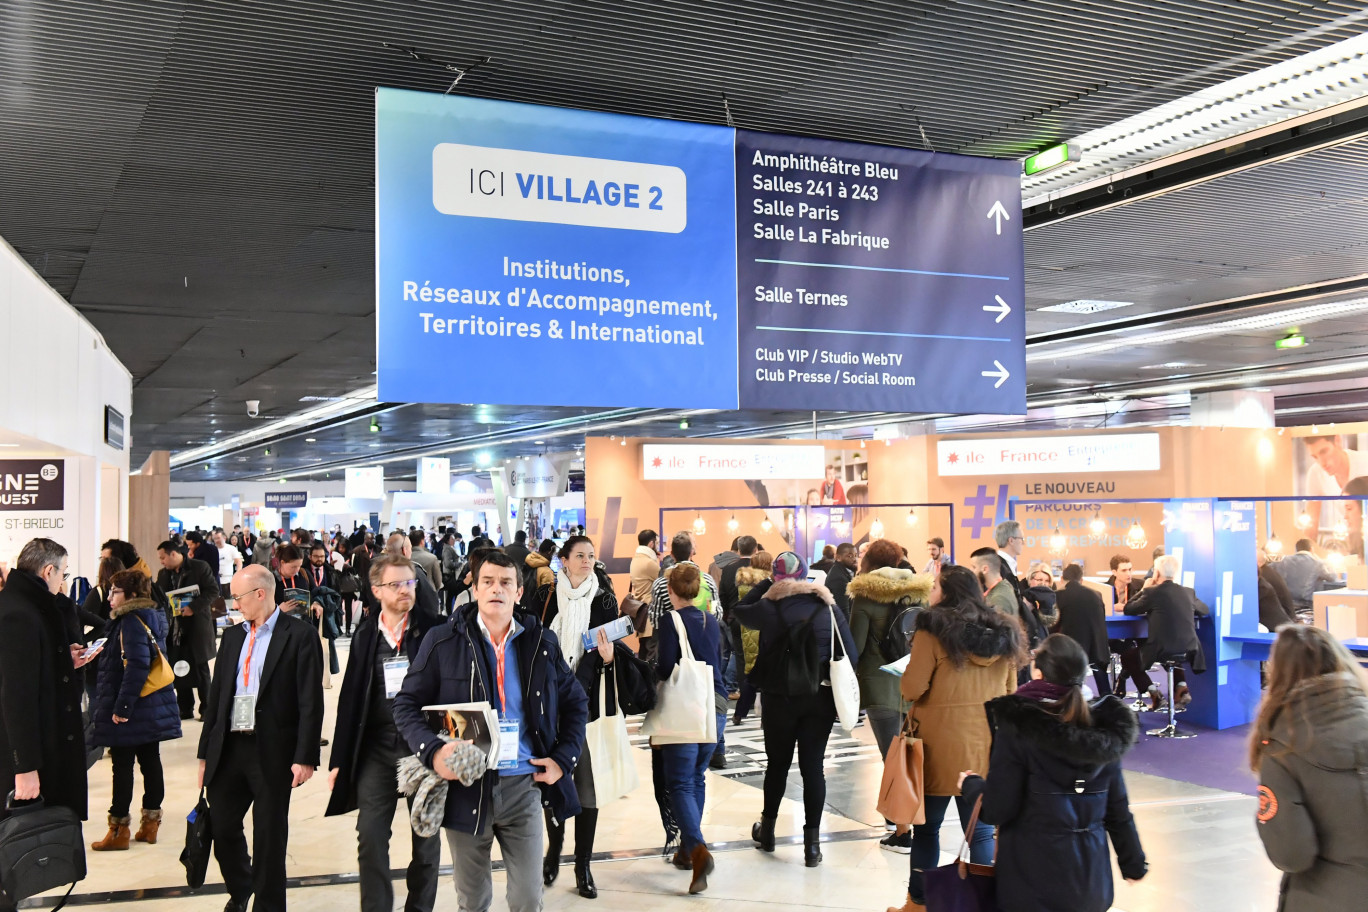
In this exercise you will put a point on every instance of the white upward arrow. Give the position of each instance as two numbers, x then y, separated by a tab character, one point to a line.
999	212
1000	373
1001	307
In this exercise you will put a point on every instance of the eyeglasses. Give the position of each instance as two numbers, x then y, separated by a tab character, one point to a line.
234	596
399	585
1017	538
116	592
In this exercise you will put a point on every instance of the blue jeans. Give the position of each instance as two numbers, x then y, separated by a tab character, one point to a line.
926	841
731	660
685	768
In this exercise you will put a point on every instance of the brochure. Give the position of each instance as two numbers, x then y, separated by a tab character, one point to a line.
898	667
180	599
616	630
477	723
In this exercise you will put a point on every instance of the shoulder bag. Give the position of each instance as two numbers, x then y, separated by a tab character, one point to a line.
902	791
159	673
611	759
962	886
845	685
683	712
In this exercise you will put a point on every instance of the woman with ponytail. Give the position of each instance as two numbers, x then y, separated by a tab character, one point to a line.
1056	791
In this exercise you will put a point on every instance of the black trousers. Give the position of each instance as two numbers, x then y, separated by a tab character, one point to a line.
154	785
804	722
240	783
196	682
1133	666
377	794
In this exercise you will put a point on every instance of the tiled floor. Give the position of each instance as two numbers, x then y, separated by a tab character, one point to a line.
1203	849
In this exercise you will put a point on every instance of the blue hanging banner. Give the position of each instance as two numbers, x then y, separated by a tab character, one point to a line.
569	257
533	245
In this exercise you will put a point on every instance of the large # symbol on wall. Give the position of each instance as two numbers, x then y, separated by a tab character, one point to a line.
980	503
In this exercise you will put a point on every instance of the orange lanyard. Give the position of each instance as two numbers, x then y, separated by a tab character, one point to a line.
251	644
500	651
398	640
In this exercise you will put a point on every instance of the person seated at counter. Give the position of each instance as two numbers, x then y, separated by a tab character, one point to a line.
1170	610
1125	586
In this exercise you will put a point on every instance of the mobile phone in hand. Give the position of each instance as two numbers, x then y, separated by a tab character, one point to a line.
93	648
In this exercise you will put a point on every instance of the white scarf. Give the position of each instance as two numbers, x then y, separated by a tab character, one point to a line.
572	615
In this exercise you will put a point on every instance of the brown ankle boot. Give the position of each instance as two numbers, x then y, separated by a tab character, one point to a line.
116	839
908	906
702	863
147	828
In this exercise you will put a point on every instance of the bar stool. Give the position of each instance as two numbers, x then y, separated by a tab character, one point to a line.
1169	663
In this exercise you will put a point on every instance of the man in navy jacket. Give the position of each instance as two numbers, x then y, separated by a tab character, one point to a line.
489	653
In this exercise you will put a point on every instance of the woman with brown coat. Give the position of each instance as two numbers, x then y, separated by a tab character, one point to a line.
964	654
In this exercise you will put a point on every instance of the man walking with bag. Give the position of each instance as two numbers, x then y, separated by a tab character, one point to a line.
260	738
42	737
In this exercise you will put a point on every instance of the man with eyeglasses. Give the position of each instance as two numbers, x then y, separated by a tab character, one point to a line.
1010	544
367	746
260	738
42	738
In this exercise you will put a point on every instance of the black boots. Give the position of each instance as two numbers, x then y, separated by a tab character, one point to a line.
555	841
763	833
812	848
584	881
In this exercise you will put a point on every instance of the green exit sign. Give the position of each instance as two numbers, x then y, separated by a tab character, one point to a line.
1052	157
1296	340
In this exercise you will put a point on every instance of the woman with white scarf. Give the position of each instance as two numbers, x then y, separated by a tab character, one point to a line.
577	602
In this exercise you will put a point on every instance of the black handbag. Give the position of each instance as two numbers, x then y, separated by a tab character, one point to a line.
41	848
199	841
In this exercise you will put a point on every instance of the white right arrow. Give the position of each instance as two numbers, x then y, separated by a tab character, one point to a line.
1000	373
999	212
1002	308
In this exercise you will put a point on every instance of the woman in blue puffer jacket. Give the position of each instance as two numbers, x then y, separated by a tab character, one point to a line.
133	726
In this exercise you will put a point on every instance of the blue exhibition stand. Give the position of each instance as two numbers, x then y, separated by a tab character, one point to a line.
1215	542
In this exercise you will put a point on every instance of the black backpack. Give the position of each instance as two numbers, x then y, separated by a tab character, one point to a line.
897	639
794	668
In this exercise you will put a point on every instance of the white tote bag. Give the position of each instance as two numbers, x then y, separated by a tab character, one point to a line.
683	713
610	752
845	686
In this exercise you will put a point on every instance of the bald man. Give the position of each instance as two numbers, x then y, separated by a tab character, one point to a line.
260	738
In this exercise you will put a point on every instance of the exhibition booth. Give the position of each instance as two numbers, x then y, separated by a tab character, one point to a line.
65	402
1213	496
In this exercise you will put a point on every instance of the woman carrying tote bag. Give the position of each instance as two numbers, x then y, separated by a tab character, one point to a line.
580	599
686	764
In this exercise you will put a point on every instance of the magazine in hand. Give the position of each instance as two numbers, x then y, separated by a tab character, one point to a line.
303	596
181	598
616	630
477	723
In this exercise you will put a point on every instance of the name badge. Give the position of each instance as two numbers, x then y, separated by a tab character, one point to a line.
244	713
508	744
395	669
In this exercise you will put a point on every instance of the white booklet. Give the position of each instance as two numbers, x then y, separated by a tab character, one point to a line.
898	667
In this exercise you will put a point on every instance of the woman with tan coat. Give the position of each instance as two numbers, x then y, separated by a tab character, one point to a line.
964	654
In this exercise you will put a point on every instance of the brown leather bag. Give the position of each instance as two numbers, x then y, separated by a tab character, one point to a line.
638	611
902	791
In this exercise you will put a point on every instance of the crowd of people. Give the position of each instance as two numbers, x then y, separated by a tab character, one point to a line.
1004	680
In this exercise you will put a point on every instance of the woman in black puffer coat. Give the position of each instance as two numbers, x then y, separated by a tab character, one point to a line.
130	725
1056	791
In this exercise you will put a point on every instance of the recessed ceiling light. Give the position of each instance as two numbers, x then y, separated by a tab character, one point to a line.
1171	365
321	398
311	440
375	443
538	442
1086	306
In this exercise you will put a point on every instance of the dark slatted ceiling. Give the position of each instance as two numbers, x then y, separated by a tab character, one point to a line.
197	176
